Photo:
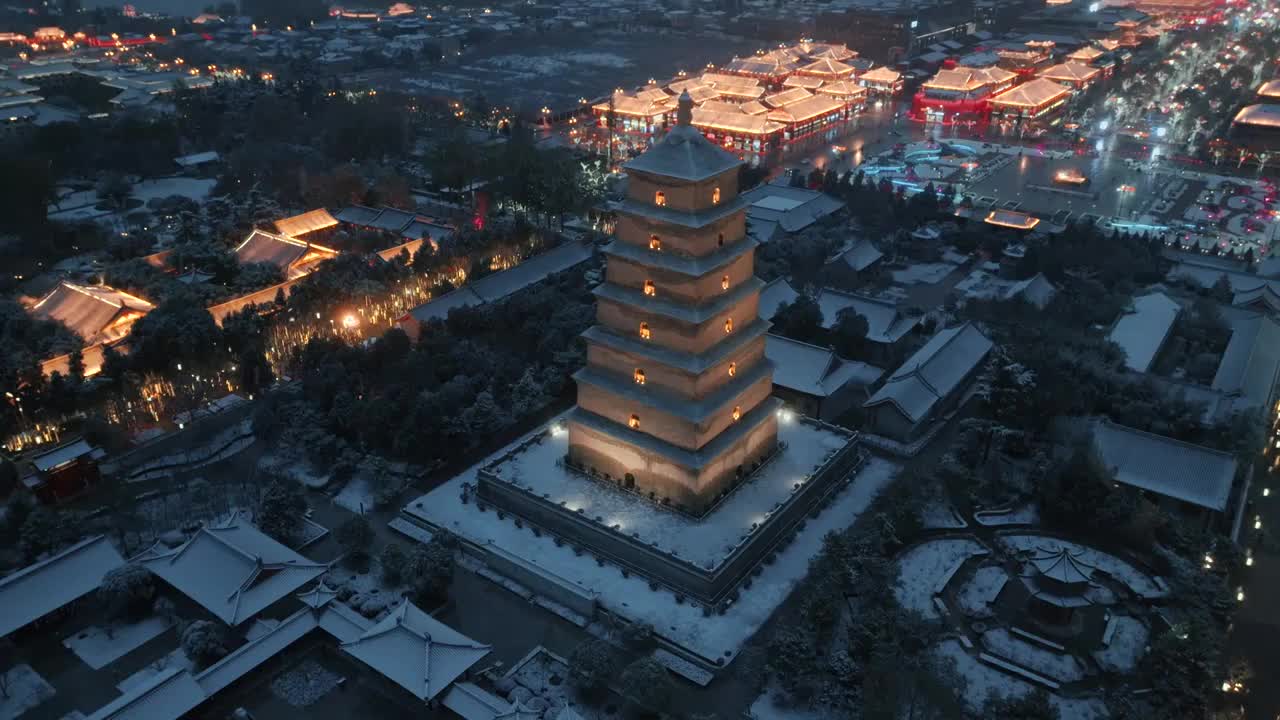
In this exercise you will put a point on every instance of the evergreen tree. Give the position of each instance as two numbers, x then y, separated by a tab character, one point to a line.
75	367
527	396
799	320
280	510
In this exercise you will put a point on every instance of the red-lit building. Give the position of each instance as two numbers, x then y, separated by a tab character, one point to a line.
960	94
63	472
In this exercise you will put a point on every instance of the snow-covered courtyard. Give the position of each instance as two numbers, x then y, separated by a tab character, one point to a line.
24	689
99	647
925	568
714	637
707	541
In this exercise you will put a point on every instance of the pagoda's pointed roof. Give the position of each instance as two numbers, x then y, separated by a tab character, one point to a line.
1061	565
684	153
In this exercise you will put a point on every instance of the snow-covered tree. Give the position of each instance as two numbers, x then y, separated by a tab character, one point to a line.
593	665
431	567
204	642
393	561
527	395
127	591
646	684
280	510
355	535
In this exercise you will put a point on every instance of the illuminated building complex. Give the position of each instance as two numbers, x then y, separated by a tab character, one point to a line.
1026	62
960	94
675	399
1029	101
755	104
1072	75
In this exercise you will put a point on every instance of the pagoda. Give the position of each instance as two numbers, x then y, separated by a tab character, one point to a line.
674	402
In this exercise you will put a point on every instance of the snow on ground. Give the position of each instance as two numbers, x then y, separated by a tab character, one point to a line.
177	659
356	495
1128	643
938	513
543	66
1024	515
717	636
767	707
924	566
98	648
981	590
922	273
297	470
706	542
1059	666
982	680
1138	581
304	684
196	189
24	689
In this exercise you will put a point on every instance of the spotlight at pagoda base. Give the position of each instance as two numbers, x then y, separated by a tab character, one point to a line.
350	321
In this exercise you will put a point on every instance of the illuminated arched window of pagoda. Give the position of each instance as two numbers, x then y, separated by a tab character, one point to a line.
733	369
650	289
724	282
660	199
720	240
644	330
639	376
728	325
715	196
634	422
654	243
737	412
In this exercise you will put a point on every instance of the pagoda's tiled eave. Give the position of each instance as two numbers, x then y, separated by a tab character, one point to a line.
650	396
690	266
683	218
692	363
691	314
691	459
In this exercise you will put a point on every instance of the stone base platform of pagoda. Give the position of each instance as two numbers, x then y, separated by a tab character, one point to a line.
704	559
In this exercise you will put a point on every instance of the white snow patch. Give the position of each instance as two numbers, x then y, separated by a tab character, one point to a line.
767	707
922	273
976	596
1128	643
196	189
1024	515
26	689
717	636
98	648
983	680
356	495
176	658
1058	666
924	566
1138	581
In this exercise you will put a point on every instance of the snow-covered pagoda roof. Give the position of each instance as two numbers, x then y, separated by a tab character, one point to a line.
418	652
1061	565
233	570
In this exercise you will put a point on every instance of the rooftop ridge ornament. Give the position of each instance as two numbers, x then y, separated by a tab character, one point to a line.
684	113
